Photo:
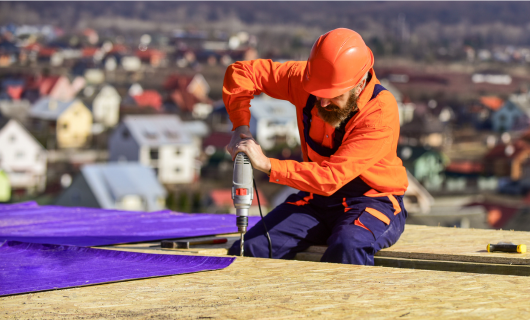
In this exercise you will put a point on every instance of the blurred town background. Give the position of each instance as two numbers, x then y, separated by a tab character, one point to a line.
118	104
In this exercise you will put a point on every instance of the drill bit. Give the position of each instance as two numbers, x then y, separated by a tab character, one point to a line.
241	248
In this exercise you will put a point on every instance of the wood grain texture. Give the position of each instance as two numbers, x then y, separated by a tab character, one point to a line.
417	242
278	289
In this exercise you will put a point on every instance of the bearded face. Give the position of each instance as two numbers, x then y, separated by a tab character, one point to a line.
333	114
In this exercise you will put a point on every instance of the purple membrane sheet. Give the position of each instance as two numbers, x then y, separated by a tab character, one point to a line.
29	267
29	222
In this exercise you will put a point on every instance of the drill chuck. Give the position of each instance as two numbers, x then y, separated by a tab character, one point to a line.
242	224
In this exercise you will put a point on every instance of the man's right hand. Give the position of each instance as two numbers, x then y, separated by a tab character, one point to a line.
240	133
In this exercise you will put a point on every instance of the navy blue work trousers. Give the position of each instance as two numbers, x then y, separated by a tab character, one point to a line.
354	229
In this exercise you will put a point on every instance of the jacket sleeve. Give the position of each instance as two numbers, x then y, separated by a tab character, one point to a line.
370	142
245	79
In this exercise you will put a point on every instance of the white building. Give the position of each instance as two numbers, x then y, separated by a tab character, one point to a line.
22	157
158	141
123	186
273	121
106	106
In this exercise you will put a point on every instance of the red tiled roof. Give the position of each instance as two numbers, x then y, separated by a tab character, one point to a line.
464	167
46	52
15	92
89	51
147	54
499	151
118	48
492	102
46	84
149	98
179	94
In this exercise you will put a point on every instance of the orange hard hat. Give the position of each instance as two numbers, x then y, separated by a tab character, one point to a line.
338	61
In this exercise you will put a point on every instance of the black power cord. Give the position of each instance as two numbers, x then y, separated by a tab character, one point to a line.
261	214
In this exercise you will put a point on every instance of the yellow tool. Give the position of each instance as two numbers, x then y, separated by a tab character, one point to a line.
507	247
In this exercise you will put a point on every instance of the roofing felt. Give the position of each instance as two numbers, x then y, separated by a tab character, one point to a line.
111	181
157	130
29	222
49	109
56	267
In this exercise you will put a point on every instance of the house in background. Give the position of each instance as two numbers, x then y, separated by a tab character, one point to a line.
273	122
123	186
106	106
424	129
5	187
22	157
426	165
140	101
218	120
56	87
510	163
70	121
157	141
508	118
190	94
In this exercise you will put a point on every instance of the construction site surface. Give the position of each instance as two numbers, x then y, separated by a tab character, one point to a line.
432	272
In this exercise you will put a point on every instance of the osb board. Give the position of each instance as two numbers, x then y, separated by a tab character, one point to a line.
453	244
417	242
278	289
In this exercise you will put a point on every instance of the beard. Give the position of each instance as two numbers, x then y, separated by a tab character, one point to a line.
334	115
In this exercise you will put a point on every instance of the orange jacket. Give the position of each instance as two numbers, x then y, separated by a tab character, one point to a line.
369	145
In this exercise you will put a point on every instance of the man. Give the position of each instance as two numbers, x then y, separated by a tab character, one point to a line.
351	180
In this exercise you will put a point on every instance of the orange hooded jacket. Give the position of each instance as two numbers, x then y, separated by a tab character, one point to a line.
369	145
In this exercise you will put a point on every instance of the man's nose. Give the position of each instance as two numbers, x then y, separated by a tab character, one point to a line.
324	102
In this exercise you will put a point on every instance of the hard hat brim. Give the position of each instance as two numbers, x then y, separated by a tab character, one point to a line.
329	91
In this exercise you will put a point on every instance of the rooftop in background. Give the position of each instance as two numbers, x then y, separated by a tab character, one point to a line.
264	107
49	109
156	130
112	181
492	102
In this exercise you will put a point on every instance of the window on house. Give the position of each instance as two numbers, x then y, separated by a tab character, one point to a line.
64	126
178	152
12	138
19	155
178	169
153	154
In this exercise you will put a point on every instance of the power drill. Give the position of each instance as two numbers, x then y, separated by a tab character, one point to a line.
242	192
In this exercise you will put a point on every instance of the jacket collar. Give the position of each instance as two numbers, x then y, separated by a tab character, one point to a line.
366	94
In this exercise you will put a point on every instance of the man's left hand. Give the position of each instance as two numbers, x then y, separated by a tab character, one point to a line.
253	150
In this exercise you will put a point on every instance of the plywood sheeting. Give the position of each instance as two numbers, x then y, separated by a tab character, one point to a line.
450	244
277	289
455	244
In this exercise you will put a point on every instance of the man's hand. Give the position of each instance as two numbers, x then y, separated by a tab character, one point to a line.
236	138
242	141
